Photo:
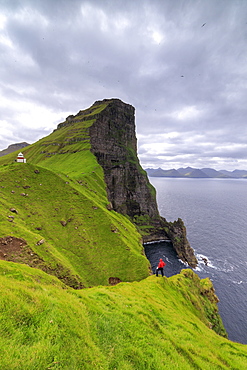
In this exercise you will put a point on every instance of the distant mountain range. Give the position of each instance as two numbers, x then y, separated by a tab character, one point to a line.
12	148
196	173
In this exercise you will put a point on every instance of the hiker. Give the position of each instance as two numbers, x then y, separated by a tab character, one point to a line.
160	267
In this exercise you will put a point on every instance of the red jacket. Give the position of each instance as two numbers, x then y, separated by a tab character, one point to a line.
161	264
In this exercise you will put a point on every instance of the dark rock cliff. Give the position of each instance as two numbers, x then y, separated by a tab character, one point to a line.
113	142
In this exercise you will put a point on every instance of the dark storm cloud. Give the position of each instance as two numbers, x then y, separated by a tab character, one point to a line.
182	64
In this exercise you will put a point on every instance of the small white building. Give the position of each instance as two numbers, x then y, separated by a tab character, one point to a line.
20	158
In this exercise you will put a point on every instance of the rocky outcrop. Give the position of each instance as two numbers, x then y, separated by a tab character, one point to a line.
177	234
113	142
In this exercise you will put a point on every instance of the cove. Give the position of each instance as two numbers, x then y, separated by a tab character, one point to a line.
164	249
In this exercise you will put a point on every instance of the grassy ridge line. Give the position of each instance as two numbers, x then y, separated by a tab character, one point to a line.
71	137
157	323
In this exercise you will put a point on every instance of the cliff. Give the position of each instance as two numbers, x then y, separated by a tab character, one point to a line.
113	142
92	160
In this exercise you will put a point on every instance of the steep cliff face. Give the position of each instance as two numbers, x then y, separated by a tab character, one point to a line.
113	142
109	126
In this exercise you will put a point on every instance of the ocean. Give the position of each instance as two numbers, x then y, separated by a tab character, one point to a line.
215	215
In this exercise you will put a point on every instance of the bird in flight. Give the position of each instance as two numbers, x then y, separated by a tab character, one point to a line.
203	24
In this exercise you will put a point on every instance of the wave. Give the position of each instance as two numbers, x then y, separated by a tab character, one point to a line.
166	259
205	261
184	263
219	265
237	282
158	241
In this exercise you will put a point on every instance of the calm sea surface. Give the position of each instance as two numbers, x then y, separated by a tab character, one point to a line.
215	215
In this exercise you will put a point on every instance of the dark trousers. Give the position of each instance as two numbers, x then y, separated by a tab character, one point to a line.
159	269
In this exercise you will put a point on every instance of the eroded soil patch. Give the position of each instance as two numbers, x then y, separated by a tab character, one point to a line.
11	248
16	250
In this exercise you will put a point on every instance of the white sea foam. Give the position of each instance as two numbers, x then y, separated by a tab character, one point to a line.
205	261
197	268
166	258
184	263
158	241
227	267
237	282
219	265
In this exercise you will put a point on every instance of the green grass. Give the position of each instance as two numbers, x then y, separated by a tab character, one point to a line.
95	244
157	323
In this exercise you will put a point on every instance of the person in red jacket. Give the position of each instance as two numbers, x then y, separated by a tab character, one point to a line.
160	267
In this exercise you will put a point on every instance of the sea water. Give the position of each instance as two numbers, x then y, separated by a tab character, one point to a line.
215	215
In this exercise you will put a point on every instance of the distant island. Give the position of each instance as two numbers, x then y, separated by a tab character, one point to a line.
190	172
12	148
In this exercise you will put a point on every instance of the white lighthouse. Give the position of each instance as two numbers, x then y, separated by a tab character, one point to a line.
20	158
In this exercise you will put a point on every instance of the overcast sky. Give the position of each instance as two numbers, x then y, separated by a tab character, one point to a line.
181	63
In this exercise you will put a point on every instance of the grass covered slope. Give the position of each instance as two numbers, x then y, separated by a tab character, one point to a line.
60	196
157	323
82	242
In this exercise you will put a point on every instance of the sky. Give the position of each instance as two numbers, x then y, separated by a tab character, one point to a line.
181	63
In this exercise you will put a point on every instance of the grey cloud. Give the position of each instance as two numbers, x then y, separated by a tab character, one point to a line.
181	77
